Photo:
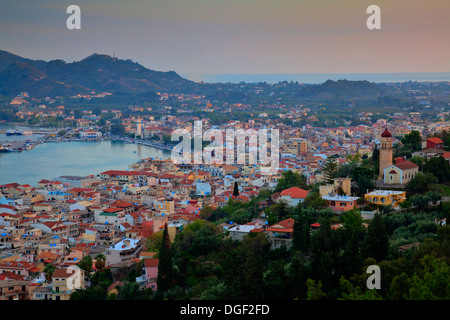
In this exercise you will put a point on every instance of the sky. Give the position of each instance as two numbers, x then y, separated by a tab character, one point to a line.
201	37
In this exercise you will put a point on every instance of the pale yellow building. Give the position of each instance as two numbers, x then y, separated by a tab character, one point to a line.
63	284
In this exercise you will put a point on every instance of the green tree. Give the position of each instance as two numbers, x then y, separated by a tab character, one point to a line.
421	183
153	242
364	178
100	261
117	129
329	170
244	280
298	274
165	280
314	290
352	292
301	233
376	242
291	179
399	288
48	271
206	212
236	189
314	200
419	200
439	167
129	291
413	140
275	282
277	212
433	283
86	264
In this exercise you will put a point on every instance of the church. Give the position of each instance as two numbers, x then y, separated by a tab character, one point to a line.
398	173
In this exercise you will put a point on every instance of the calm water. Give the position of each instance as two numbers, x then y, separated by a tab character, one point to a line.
51	160
4	137
320	78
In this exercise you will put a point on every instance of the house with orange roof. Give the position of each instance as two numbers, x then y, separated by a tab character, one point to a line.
446	156
151	273
21	268
280	234
435	142
293	196
401	172
114	288
49	258
60	283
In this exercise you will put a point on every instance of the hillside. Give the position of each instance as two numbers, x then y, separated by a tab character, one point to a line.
340	89
97	72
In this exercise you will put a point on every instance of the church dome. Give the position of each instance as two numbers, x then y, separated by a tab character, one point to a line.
386	133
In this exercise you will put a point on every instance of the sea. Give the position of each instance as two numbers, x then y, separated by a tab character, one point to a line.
309	78
77	158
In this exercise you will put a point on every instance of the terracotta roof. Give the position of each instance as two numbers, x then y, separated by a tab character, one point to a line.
113	285
112	210
283	226
149	263
62	273
435	140
295	192
5	275
405	165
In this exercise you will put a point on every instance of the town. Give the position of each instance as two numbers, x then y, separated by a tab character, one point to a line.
391	169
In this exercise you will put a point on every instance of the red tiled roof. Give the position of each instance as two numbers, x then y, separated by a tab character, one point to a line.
62	273
295	192
405	165
435	140
112	210
5	275
151	263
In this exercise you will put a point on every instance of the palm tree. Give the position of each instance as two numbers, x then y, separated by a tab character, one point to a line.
48	270
100	261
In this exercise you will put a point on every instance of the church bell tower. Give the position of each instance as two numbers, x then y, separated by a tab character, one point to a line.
386	153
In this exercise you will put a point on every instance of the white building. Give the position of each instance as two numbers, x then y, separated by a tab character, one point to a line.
240	231
90	135
123	251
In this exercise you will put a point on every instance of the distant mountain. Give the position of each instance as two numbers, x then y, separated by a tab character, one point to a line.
341	89
7	59
98	72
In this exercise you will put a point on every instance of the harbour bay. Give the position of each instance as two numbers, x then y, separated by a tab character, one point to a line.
79	158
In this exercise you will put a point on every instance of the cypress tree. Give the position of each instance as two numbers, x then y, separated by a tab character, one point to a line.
236	189
376	242
165	278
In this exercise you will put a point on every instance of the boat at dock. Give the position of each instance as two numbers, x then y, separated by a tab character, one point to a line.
11	132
